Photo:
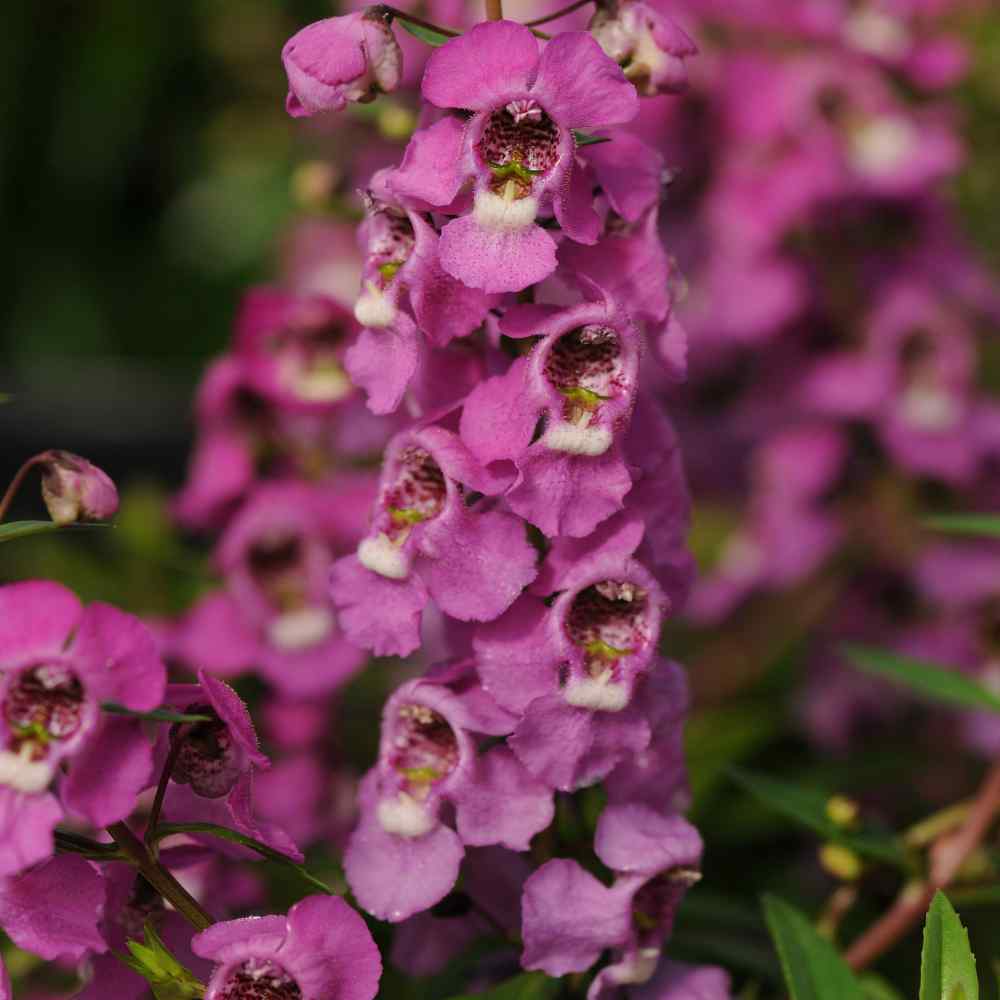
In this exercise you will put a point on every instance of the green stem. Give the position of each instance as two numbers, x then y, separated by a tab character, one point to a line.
159	878
161	791
157	715
74	843
15	483
393	12
165	830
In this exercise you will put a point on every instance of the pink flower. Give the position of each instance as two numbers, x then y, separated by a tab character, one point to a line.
76	490
339	60
321	949
518	147
430	538
429	759
59	662
646	42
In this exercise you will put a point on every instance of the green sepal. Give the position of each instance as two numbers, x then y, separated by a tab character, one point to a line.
167	978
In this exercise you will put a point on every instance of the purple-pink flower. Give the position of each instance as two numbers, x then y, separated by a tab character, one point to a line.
321	950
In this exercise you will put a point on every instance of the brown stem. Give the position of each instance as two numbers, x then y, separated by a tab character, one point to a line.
15	483
494	10
559	13
159	878
394	12
161	791
947	855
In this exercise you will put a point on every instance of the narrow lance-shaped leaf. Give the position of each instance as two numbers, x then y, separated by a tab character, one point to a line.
928	679
809	807
947	966
983	525
22	529
426	35
812	967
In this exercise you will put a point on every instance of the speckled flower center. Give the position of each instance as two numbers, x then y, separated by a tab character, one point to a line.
308	359
520	142
654	904
609	620
425	749
259	979
42	705
419	491
584	365
144	905
390	242
206	757
276	565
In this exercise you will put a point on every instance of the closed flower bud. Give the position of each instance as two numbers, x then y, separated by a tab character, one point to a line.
340	60
75	490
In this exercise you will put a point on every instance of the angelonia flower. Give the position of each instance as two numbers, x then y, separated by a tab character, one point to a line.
321	950
59	662
341	60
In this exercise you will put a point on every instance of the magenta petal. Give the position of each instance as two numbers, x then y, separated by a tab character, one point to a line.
334	951
629	171
568	918
635	838
573	747
215	635
382	362
377	613
306	673
232	710
53	910
678	981
98	795
486	564
424	944
569	494
36	618
481	68
498	419
26	825
231	939
430	168
496	259
515	655
119	659
394	877
502	804
574	207
580	87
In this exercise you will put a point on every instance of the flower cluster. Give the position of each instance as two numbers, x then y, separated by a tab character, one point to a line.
528	528
835	316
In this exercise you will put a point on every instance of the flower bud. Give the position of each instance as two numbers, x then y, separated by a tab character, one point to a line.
338	60
75	490
648	45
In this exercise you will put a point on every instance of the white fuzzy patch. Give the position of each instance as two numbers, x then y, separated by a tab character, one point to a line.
877	33
20	772
578	439
882	145
929	409
320	384
404	816
639	968
300	629
599	694
374	308
381	556
494	211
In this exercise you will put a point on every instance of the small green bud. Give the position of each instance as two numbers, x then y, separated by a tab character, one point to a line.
167	978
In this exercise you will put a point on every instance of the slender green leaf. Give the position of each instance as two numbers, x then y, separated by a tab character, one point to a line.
583	139
165	830
947	967
965	524
808	806
928	679
527	986
22	529
427	35
813	970
156	715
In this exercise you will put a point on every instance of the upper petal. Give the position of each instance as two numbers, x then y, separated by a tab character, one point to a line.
482	68
36	619
580	87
